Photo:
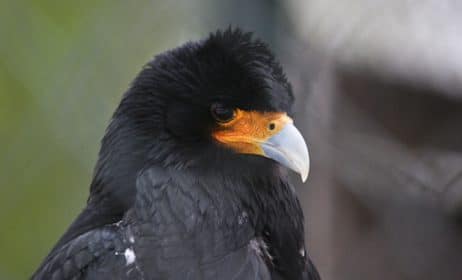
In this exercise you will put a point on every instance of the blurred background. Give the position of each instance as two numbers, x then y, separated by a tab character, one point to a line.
379	88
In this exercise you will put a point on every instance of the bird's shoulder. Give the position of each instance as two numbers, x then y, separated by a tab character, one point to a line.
76	257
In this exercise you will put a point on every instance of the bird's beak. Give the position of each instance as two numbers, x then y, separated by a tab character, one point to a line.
271	135
289	149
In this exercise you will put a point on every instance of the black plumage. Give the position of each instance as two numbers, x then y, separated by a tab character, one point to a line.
169	202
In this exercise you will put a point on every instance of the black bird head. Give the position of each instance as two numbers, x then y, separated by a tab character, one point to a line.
223	102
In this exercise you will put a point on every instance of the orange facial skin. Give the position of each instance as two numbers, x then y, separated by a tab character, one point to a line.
249	129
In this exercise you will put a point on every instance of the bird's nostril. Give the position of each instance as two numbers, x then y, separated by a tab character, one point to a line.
272	126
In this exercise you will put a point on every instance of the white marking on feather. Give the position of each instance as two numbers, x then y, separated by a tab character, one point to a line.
302	252
260	247
131	237
130	256
255	246
241	219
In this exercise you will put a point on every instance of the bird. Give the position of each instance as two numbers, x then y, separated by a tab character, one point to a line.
192	177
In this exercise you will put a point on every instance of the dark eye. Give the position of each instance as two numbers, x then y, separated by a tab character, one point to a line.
222	113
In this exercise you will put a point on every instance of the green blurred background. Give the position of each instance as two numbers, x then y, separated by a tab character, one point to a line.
63	67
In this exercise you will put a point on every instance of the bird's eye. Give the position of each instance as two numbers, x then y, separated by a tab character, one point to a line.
222	113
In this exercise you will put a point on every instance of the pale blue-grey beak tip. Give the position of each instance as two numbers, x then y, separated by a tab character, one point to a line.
288	148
